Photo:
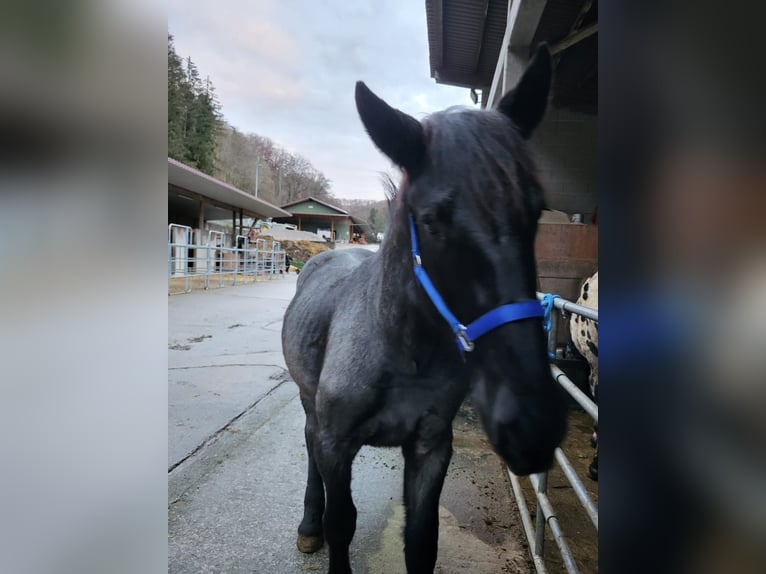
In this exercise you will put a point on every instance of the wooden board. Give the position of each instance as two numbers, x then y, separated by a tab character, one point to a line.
566	253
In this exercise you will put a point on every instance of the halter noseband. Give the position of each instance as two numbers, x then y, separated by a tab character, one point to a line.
466	335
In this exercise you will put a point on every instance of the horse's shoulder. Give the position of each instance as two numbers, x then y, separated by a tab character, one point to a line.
332	264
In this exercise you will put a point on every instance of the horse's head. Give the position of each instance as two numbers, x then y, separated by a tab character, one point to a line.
472	191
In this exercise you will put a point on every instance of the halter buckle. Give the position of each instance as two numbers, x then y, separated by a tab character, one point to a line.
462	338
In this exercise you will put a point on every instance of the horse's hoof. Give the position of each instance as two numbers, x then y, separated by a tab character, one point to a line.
593	471
309	544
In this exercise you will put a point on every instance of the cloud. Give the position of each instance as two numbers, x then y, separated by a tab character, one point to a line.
287	69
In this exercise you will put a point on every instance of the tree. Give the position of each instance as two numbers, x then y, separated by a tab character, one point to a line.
178	94
198	136
194	114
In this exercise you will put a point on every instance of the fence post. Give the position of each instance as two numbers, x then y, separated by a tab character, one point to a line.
207	266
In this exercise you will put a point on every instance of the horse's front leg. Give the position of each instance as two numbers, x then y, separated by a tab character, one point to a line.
425	465
334	461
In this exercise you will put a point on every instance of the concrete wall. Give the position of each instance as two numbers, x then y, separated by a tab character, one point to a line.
565	148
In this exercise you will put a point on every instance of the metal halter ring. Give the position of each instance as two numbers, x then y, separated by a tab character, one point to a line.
462	339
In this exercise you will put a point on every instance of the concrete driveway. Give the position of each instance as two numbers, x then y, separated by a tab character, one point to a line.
237	460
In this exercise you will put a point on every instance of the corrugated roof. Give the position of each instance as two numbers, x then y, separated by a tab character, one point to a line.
186	177
464	40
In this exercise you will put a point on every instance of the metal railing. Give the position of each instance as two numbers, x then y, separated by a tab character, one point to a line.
545	512
214	263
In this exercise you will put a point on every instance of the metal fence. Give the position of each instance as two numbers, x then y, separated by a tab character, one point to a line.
545	512
211	262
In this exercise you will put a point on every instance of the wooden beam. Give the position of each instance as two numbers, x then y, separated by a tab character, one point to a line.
502	57
526	20
520	27
586	6
573	39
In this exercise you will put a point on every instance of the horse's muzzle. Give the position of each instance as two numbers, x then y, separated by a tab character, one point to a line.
524	429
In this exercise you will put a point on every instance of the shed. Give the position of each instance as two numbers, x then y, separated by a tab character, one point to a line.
195	198
326	220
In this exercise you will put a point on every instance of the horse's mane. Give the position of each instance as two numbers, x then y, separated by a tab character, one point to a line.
390	188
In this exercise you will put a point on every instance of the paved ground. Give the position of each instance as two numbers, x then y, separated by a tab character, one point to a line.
237	462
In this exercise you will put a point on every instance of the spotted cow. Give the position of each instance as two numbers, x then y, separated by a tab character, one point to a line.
584	334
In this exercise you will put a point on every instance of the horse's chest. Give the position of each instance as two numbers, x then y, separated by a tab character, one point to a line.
409	413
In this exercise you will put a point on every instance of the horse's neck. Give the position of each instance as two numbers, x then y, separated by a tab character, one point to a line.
399	308
397	280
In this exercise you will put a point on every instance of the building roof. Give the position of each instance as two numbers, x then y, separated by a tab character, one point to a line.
186	177
307	199
339	212
465	38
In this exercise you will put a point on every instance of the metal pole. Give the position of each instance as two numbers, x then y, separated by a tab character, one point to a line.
582	399
257	174
570	307
553	522
578	487
552	334
525	520
541	485
207	268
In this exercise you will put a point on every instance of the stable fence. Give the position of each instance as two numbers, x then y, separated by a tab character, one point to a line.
545	512
205	262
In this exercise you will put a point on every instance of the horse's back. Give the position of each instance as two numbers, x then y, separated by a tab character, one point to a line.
331	265
322	285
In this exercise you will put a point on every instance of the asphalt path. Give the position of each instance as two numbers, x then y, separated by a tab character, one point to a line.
237	460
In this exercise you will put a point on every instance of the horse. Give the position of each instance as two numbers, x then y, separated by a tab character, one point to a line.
584	333
373	340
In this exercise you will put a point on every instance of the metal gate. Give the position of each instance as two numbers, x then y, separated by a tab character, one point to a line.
214	261
545	512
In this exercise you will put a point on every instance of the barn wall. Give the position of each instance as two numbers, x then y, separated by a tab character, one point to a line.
312	225
565	147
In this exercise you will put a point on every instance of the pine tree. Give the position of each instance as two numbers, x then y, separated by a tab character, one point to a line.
194	114
177	97
204	125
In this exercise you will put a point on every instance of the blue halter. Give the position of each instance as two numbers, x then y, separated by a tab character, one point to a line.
492	320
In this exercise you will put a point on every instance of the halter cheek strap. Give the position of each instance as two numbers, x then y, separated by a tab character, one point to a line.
467	335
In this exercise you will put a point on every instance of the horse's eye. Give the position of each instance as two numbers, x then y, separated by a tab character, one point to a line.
427	220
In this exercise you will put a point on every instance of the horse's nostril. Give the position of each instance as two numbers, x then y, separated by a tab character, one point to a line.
505	410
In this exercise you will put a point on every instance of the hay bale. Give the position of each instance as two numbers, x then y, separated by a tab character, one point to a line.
302	250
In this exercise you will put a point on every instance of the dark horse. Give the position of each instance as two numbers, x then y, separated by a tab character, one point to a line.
375	361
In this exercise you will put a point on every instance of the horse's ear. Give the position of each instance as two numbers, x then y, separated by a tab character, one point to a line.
525	104
396	134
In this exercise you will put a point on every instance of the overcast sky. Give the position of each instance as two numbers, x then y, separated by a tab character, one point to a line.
286	69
